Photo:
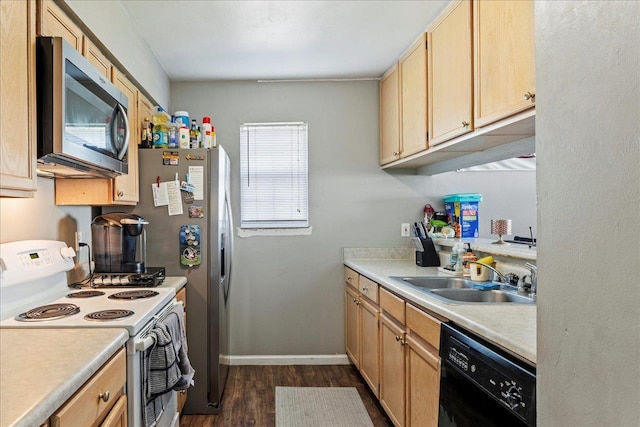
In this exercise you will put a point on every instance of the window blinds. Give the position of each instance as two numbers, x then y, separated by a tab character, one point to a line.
274	175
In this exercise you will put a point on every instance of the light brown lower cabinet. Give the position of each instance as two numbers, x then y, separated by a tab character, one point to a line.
392	369
99	401
369	357
395	346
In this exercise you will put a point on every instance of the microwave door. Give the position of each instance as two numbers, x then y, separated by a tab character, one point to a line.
119	131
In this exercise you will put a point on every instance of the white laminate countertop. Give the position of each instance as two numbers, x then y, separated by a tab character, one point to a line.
40	369
511	326
176	282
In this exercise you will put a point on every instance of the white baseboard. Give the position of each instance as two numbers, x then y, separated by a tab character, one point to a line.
311	359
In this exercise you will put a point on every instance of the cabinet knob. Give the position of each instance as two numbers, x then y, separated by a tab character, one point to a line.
396	154
365	289
120	193
465	124
349	279
398	338
104	396
529	96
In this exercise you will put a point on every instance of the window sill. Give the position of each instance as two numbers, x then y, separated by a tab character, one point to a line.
253	232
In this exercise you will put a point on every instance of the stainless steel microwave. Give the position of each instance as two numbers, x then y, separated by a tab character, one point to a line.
83	131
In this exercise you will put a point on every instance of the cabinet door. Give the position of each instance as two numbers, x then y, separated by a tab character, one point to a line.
369	336
392	370
390	116
145	109
97	59
504	57
423	384
450	83
351	332
126	186
17	99
413	83
118	415
52	21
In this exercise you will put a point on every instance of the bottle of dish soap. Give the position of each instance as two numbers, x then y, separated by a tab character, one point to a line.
453	261
468	257
458	266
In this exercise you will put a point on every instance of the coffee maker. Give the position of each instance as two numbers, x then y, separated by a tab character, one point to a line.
119	243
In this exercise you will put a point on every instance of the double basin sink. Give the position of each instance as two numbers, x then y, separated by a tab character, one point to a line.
460	290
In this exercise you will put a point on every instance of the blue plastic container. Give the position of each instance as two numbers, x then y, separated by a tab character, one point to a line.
464	208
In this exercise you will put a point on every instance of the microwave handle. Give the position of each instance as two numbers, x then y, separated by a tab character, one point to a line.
120	109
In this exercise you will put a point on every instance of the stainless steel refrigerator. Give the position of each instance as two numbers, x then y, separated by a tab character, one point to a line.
209	282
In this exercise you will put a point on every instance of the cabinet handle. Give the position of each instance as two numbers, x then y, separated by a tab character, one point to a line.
349	279
104	396
396	154
357	302
365	289
465	124
398	338
120	193
529	96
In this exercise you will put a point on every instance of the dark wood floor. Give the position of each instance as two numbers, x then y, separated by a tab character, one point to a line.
249	397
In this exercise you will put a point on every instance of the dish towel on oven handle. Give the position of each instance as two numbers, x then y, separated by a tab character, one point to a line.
166	365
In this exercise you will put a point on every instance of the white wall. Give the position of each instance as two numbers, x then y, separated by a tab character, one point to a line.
588	181
288	291
111	23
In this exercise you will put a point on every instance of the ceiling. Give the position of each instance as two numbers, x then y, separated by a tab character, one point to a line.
280	40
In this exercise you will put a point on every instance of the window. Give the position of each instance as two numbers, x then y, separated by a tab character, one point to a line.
274	171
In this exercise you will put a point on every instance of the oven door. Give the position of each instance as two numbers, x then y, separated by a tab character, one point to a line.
136	400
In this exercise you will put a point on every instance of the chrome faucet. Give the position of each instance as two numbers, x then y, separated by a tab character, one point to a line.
533	276
503	279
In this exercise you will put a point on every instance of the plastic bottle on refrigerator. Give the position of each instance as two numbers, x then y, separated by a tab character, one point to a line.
214	144
206	132
160	129
173	133
183	136
193	135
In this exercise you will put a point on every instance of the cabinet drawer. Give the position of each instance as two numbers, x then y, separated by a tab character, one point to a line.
368	288
392	305
425	326
86	407
351	277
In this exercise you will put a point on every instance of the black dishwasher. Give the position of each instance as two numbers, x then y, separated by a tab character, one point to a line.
481	385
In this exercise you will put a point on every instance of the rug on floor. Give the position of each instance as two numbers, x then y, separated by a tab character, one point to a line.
320	407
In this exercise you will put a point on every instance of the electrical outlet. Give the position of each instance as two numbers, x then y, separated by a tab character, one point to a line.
78	240
405	232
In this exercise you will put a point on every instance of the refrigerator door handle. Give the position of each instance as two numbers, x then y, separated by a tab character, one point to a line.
231	242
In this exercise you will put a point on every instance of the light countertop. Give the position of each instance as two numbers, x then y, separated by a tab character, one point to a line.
40	369
511	326
176	282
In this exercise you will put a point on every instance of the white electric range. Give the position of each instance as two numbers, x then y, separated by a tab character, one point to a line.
34	294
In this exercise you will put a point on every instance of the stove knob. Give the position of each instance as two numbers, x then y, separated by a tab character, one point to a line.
513	397
115	280
124	280
97	280
106	280
67	252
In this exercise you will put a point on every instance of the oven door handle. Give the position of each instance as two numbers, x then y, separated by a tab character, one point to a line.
143	344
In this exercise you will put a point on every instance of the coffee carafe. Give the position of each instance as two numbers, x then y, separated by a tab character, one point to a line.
119	243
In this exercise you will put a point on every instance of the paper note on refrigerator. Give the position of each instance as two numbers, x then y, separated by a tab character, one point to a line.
175	198
160	194
196	178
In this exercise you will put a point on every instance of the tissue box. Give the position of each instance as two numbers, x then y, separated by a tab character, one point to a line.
464	207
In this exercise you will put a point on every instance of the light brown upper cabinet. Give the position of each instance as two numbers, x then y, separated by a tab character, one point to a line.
390	116
413	95
504	57
450	74
52	21
97	59
17	99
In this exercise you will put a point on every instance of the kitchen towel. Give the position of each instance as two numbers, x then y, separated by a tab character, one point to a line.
320	407
165	364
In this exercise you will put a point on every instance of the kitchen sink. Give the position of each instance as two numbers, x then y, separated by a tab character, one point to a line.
436	282
460	290
477	295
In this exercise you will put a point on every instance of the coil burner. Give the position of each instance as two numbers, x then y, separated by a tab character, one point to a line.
48	312
137	294
106	315
85	294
